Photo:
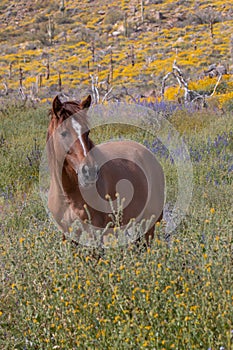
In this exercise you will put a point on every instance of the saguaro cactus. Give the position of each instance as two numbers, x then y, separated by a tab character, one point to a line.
20	77
132	56
59	82
142	10
231	48
125	25
111	67
92	48
47	69
51	30
62	7
10	70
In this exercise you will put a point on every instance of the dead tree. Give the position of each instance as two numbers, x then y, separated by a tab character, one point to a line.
208	16
111	67
62	7
51	30
132	56
5	91
23	96
125	92
33	95
39	80
134	10
28	97
92	48
107	89
142	10
94	88
215	70
189	95
125	25
231	48
10	70
101	91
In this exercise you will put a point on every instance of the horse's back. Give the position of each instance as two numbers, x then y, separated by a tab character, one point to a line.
142	175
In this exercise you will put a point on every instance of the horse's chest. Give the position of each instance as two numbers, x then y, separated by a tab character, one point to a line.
73	213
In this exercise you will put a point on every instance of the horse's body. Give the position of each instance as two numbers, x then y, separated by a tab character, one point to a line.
82	175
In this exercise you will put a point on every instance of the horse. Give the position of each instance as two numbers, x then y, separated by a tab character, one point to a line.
85	180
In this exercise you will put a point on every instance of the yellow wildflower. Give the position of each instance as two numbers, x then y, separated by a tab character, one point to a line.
146	343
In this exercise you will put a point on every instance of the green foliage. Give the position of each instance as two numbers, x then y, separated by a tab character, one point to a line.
113	15
228	105
24	138
175	295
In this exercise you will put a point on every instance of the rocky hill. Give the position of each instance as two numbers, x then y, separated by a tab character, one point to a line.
124	46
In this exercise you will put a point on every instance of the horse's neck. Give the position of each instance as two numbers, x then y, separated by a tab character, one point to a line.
62	179
55	169
69	181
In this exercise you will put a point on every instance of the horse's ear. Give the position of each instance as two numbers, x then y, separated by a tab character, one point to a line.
57	106
86	103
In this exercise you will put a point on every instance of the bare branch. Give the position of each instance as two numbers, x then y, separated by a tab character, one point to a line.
6	88
107	94
189	95
94	87
164	81
216	85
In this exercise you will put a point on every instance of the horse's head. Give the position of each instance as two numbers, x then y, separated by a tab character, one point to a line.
70	134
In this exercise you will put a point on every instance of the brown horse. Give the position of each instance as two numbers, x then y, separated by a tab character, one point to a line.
85	179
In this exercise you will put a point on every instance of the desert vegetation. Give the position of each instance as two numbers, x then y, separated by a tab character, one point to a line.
177	294
132	44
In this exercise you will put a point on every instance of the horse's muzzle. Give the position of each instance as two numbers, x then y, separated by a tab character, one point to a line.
88	174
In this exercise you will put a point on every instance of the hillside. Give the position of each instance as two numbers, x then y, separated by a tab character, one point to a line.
177	293
48	46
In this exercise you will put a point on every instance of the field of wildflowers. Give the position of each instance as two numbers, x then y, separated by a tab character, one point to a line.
113	41
175	295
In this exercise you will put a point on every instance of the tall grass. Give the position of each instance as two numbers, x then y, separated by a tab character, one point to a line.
175	295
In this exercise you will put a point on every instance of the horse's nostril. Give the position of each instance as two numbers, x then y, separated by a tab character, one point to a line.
85	169
89	173
97	170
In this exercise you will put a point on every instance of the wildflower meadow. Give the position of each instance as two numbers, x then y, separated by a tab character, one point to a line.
176	294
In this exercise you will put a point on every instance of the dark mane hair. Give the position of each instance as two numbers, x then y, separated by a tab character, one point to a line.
70	108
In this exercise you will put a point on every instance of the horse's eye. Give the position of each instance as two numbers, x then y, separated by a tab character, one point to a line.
64	133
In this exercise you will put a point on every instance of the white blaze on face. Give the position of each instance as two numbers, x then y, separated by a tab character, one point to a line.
77	127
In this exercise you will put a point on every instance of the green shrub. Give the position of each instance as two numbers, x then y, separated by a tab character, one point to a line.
113	15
